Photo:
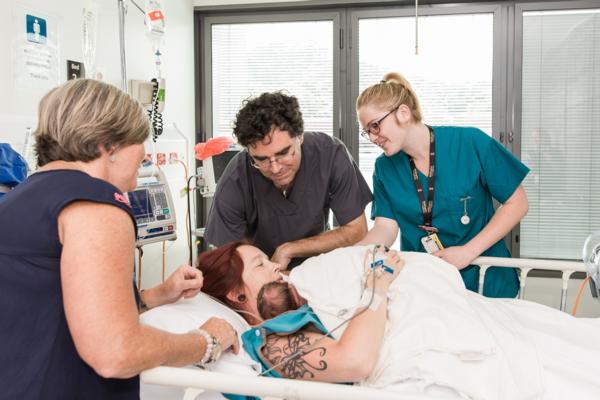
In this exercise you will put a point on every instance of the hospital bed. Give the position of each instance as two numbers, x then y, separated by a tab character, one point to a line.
198	384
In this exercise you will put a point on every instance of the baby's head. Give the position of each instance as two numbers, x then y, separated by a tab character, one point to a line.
275	298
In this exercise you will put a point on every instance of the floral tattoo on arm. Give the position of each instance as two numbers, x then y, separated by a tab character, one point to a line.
280	351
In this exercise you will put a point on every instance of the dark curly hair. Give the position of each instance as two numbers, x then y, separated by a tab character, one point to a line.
260	115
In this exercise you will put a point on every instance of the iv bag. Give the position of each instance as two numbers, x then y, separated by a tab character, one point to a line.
90	25
155	21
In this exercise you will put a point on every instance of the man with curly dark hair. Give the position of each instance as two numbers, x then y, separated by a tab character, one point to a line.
278	192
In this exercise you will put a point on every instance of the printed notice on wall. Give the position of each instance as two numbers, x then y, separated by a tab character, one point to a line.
36	49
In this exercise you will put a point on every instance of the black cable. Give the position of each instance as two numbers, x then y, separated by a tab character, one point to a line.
153	113
138	7
189	219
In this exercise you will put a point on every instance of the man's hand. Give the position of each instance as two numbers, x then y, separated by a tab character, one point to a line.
459	256
282	256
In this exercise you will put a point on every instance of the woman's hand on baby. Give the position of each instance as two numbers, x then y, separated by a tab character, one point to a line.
223	332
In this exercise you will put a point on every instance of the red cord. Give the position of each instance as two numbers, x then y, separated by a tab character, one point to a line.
574	311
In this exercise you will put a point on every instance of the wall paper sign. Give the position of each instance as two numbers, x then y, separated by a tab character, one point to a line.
36	49
36	29
75	70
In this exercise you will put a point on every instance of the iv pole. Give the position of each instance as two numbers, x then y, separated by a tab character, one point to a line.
122	11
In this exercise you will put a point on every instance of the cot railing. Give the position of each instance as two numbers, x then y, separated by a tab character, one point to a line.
196	381
525	265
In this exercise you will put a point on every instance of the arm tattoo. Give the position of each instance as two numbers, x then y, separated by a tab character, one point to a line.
280	349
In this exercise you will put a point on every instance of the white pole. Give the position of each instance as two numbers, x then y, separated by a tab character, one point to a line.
121	7
553	265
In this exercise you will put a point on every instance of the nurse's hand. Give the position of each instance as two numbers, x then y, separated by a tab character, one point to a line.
282	256
185	282
459	256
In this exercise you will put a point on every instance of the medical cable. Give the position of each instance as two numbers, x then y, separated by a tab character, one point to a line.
164	253
189	217
154	115
139	8
574	310
139	280
303	351
187	211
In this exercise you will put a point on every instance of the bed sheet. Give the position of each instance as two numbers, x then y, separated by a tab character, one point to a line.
568	348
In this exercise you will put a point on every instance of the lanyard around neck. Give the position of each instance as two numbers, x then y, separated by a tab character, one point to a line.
426	206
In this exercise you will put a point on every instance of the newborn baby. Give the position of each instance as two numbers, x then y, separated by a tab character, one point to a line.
275	298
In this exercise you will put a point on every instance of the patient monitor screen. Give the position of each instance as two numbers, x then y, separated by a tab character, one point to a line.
220	162
141	205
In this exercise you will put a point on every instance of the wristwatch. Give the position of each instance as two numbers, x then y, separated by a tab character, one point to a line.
216	350
213	348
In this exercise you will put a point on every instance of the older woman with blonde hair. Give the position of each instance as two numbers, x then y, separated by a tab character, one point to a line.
70	325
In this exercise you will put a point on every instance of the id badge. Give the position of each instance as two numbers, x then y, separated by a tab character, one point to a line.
432	243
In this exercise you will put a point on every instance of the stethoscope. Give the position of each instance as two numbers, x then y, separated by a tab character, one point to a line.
465	218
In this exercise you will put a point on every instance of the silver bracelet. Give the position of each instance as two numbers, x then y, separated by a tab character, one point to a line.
210	345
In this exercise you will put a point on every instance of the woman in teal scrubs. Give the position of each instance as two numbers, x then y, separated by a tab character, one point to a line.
437	184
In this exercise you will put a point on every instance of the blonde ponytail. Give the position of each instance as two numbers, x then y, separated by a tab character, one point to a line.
393	91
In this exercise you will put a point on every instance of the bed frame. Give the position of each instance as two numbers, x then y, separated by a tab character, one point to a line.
196	381
525	265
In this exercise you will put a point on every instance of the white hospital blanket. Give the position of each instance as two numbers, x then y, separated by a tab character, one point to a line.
568	347
440	338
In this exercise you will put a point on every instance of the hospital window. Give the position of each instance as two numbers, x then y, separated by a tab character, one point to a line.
451	75
251	58
527	73
560	138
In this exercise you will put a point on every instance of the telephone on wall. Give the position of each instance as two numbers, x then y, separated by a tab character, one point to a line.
152	96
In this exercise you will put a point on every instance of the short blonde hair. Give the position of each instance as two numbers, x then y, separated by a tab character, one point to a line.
78	117
393	91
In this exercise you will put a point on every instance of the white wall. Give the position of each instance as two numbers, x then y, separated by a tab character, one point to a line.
18	106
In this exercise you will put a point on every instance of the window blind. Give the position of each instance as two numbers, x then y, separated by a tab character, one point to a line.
251	58
560	130
451	75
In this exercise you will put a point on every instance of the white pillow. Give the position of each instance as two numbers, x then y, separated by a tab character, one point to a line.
188	314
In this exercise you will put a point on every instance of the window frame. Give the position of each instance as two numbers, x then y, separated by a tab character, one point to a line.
206	58
506	73
515	87
434	10
203	57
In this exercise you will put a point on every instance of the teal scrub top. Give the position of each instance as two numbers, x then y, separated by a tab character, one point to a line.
255	339
468	163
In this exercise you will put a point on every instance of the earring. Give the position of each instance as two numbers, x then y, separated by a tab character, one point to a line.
242	298
112	158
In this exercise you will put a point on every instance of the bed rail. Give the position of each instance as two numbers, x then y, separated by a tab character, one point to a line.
264	387
525	265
